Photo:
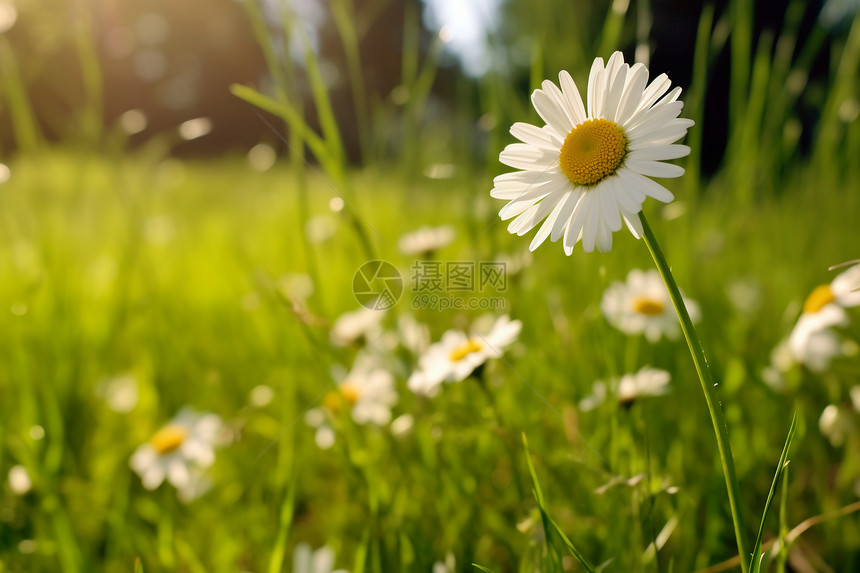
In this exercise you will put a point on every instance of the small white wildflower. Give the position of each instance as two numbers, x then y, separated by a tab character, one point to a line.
19	480
457	355
642	305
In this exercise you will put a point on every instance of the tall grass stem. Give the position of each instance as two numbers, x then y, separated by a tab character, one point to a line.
708	387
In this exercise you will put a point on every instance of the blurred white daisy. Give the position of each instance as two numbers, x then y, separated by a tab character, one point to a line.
458	354
642	305
19	480
447	566
120	393
835	425
324	435
357	325
176	451
414	336
781	362
426	240
515	262
368	391
402	425
813	342
855	397
588	169
647	381
320	561
844	290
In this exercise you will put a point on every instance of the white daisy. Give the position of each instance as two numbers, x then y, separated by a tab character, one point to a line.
426	240
643	305
402	425
324	435
647	381
414	336
120	393
352	327
320	561
175	451
835	425
447	566
813	342
855	397
458	354
843	291
587	170
368	391
781	362
19	480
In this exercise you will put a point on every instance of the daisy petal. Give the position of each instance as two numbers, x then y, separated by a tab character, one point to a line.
670	133
531	217
573	231
524	156
592	222
660	153
609	206
595	88
550	222
654	168
523	200
637	77
604	238
652	119
534	135
614	91
565	215
571	94
634	224
548	109
645	185
557	96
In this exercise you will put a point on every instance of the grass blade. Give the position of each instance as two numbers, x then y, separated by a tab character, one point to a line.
276	562
288	113
780	468
548	524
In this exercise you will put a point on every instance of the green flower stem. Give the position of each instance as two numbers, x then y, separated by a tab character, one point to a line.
708	387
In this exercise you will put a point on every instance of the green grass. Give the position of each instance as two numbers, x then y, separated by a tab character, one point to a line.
97	292
117	262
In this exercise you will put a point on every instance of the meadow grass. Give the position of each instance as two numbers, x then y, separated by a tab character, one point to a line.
177	273
169	270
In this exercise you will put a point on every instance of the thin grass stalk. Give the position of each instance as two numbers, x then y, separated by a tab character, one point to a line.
344	18
285	520
718	419
748	138
832	128
91	75
696	102
613	25
741	55
28	136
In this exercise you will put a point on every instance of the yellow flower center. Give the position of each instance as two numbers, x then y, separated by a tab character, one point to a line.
592	151
347	391
647	306
821	296
466	349
168	439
